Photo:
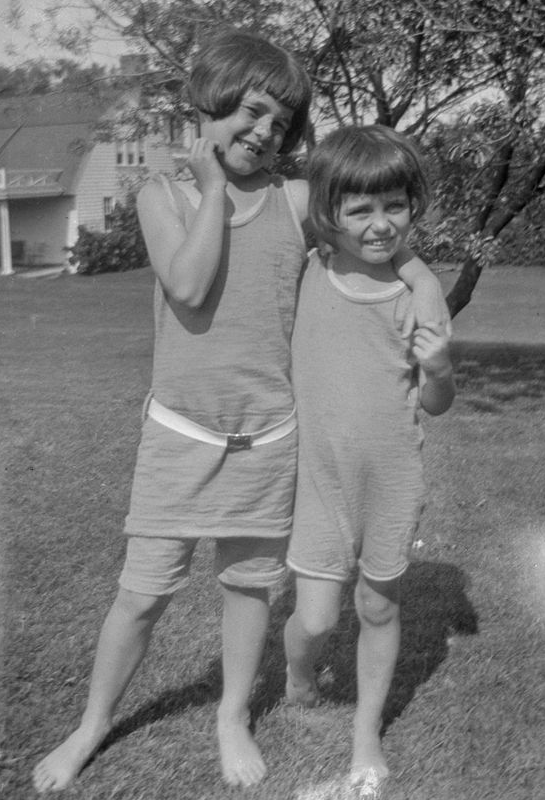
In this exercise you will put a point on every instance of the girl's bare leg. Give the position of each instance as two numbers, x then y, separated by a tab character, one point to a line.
245	622
316	615
377	604
122	644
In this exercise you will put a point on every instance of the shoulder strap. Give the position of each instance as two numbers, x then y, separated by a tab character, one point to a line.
293	210
162	178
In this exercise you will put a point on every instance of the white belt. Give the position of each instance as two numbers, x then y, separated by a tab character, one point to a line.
231	441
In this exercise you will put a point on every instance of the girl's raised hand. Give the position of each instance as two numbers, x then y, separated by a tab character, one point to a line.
203	162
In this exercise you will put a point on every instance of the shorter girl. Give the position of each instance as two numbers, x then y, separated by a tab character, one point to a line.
357	382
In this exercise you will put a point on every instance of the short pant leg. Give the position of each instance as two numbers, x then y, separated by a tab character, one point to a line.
390	529
317	549
156	566
251	562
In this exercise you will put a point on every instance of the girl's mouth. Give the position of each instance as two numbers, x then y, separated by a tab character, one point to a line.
384	242
249	147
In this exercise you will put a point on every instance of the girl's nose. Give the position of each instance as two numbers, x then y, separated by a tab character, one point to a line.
263	127
380	221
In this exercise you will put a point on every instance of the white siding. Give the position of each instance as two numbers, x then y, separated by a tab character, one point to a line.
98	179
101	177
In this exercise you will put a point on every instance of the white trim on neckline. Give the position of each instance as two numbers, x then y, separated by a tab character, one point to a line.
394	289
238	219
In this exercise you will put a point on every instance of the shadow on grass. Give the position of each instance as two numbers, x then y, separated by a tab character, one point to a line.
170	704
489	375
434	608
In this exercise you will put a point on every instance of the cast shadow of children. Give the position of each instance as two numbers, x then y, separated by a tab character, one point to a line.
170	703
434	608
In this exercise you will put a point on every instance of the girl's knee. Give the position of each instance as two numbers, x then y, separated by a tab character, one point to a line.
377	603
318	606
317	623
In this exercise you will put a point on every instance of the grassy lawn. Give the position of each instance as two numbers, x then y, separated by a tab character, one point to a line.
466	715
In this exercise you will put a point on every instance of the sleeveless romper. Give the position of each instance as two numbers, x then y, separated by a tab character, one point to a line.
360	482
226	366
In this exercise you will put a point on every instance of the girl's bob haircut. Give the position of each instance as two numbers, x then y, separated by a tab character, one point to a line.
362	160
235	61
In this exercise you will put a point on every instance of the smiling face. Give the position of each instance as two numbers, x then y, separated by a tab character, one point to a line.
251	136
374	226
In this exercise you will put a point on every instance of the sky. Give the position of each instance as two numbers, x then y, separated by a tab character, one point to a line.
31	40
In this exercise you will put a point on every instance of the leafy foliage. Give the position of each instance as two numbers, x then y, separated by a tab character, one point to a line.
120	249
523	241
39	77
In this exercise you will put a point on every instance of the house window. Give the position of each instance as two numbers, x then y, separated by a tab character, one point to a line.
109	205
130	154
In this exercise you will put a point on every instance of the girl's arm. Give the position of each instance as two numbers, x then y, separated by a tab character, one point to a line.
186	259
428	301
431	349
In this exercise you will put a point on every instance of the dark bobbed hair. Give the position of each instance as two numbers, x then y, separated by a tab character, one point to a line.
235	61
362	160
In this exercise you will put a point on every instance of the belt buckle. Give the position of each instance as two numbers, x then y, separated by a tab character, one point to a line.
238	441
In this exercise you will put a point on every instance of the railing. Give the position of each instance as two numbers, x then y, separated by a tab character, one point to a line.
27	178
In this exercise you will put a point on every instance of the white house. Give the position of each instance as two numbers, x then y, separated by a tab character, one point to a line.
54	175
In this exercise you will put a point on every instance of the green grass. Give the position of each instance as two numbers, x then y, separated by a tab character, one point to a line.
466	715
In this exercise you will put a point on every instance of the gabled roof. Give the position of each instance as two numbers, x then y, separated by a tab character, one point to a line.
43	139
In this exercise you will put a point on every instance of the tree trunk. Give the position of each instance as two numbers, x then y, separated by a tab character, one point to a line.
460	294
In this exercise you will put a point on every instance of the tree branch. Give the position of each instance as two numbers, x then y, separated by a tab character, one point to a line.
530	190
460	294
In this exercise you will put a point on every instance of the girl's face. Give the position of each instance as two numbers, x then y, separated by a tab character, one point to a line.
374	226
251	136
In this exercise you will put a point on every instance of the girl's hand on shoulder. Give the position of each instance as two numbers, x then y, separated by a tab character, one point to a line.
431	348
205	166
427	307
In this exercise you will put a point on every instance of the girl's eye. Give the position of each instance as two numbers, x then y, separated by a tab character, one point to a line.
280	126
361	211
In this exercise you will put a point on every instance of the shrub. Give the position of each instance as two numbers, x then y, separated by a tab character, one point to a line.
120	249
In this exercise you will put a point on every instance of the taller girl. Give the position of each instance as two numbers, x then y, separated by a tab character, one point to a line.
218	451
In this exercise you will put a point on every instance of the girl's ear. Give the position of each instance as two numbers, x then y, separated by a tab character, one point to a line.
325	249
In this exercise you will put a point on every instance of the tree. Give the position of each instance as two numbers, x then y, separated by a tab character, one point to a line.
406	63
464	77
40	77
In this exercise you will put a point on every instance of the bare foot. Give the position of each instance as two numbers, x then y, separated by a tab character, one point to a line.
63	764
369	769
241	760
369	783
301	694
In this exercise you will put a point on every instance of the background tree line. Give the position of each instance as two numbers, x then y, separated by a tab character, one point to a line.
465	78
